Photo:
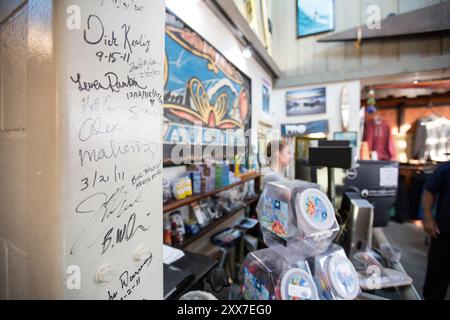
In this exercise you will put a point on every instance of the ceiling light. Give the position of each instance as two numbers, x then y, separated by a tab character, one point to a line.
247	52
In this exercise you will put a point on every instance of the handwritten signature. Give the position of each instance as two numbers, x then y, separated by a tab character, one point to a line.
111	82
95	126
102	207
126	280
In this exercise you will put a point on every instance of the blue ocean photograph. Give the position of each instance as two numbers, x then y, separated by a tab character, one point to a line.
314	16
306	102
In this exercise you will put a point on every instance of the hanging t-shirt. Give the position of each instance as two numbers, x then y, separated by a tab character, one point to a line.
379	138
431	139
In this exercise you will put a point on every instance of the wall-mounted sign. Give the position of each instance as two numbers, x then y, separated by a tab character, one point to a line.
301	129
207	100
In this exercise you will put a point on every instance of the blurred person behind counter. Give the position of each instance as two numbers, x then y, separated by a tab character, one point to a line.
278	155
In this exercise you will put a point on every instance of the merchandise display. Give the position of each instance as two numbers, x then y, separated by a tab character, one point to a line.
167	192
297	212
430	138
298	225
201	179
335	275
178	230
267	275
167	234
182	188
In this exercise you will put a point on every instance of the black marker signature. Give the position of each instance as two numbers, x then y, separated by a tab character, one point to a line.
93	127
102	207
111	82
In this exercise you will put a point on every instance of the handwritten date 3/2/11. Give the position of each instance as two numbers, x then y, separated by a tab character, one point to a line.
99	178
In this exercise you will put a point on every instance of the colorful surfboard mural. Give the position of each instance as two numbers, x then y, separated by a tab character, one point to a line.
207	100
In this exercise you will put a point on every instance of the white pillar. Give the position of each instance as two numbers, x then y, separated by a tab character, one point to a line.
92	143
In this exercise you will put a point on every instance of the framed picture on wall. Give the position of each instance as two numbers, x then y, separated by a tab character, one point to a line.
207	99
306	102
351	136
314	17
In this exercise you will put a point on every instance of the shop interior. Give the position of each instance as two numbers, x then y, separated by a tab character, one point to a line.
225	224
299	139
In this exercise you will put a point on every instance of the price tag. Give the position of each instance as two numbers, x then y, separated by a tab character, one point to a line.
299	292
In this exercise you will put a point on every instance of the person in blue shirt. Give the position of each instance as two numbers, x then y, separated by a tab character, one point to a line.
437	193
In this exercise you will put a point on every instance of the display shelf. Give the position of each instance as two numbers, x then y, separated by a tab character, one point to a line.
188	240
176	204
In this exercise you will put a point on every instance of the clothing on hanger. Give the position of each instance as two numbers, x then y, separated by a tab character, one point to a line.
431	138
378	135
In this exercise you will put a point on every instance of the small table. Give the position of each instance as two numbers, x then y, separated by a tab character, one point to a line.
193	263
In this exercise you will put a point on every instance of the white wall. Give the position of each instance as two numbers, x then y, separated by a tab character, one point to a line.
202	20
333	114
305	61
40	172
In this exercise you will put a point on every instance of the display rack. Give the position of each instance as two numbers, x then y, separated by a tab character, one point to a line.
176	204
204	230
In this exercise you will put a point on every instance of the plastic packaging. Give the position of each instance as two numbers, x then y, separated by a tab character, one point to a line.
267	275
297	212
335	276
198	295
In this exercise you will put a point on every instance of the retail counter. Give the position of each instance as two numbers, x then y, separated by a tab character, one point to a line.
399	293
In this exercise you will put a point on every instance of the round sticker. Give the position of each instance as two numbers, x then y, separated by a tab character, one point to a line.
297	284
343	277
352	174
316	210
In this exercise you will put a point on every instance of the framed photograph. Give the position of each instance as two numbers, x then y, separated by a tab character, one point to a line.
306	102
314	17
351	136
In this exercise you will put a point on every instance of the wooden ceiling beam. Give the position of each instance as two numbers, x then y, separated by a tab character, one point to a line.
428	20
